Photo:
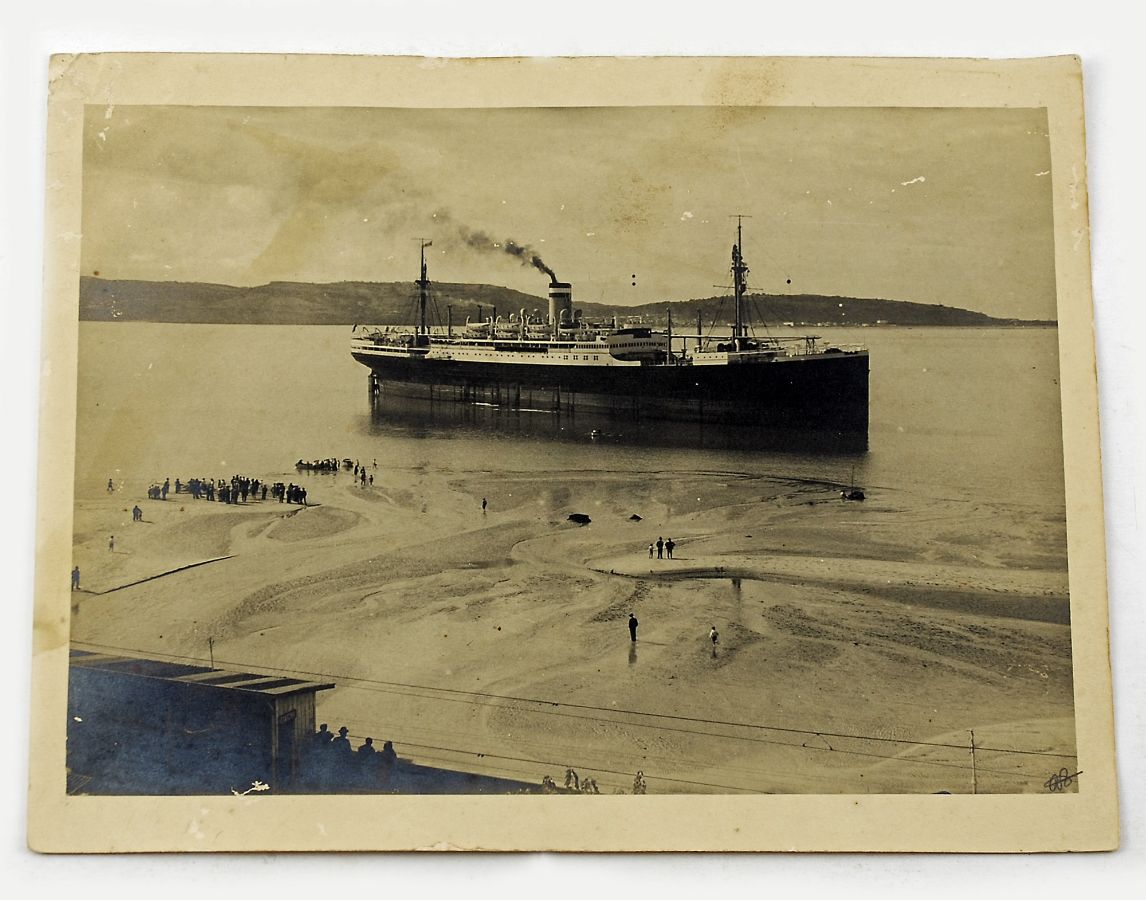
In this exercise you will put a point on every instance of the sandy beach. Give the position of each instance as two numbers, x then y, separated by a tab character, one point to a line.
860	642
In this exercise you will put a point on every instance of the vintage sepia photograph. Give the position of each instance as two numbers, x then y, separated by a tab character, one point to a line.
704	447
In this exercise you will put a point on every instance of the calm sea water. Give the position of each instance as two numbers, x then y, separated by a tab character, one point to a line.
964	413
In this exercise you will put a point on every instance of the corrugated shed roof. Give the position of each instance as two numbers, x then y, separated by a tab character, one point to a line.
222	679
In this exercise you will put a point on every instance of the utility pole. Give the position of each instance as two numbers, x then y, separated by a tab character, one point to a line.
211	649
974	770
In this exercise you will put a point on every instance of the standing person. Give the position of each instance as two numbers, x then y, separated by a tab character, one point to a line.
633	628
660	548
110	486
111	543
136	514
484	504
76	578
714	637
341	744
668	547
650	551
166	487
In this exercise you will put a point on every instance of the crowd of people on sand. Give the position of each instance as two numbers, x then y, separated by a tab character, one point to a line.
361	475
236	489
333	760
244	489
662	548
288	493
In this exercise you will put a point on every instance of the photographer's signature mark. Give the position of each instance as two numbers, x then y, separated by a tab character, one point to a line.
1060	780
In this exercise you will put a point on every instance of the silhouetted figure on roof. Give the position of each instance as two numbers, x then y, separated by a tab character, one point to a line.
323	737
341	744
388	757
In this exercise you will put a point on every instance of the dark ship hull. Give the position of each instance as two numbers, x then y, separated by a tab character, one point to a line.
826	391
564	362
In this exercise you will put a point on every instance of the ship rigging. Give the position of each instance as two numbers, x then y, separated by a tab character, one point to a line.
630	367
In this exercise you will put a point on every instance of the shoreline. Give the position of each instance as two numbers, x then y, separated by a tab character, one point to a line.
905	630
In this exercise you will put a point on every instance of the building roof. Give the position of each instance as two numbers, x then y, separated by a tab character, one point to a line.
181	673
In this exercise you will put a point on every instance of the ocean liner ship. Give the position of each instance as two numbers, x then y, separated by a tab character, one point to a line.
565	361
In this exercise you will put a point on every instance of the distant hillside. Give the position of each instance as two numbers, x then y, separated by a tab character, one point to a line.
813	309
286	302
394	303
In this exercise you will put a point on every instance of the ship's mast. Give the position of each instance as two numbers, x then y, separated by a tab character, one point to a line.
423	289
739	270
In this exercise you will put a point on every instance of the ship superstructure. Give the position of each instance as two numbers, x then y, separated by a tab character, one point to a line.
563	360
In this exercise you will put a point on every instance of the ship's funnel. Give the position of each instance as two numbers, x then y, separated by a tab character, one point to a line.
560	302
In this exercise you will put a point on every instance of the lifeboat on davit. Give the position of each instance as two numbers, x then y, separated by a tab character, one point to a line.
638	344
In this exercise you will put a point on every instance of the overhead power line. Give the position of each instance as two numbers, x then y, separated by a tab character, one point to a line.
556	704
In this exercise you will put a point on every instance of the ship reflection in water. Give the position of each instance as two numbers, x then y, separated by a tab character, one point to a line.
443	419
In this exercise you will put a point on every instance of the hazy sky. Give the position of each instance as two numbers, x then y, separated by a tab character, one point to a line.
945	206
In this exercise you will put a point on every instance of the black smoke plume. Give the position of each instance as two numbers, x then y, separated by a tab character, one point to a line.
482	242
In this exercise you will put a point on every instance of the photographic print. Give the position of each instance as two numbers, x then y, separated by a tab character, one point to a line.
580	440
